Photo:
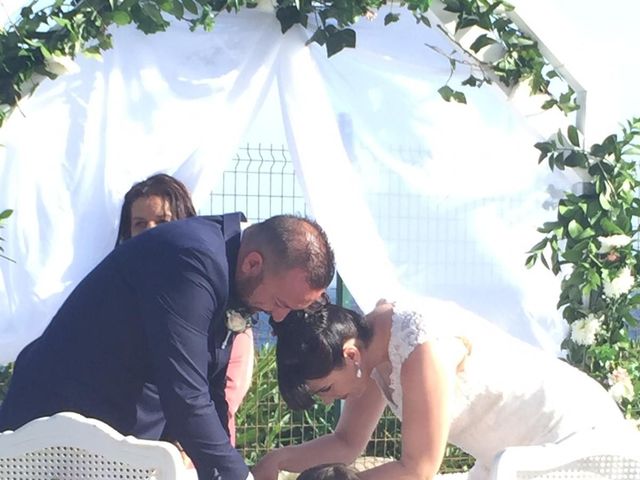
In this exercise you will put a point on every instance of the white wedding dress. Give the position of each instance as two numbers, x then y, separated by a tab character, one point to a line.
508	392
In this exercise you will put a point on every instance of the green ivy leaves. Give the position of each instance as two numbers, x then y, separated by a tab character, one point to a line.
449	94
6	371
594	243
264	422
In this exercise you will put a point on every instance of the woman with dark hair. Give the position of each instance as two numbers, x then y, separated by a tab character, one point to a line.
449	376
158	199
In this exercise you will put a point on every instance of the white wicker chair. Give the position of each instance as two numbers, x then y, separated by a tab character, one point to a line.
68	446
593	456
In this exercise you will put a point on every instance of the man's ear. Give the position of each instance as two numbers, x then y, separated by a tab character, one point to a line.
252	264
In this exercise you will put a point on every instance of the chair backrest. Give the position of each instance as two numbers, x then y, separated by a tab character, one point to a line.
68	446
594	456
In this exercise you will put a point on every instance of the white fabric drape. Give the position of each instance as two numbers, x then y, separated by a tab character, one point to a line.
453	193
414	193
177	102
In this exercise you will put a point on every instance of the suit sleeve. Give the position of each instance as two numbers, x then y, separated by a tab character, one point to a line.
179	295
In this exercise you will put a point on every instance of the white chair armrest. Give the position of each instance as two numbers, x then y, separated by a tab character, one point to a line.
70	446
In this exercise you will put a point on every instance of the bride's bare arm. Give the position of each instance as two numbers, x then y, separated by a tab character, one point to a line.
358	419
427	378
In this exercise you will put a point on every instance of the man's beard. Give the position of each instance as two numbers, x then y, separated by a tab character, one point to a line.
245	288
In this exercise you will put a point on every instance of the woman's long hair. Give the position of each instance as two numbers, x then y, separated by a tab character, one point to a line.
164	186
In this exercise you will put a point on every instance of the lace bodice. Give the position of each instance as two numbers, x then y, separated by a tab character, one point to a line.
507	393
408	330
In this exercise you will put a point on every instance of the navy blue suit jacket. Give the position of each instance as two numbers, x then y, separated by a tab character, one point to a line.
152	312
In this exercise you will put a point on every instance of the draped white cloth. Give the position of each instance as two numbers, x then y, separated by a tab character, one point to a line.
442	199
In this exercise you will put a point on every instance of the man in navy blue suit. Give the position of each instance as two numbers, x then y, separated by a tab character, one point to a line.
153	312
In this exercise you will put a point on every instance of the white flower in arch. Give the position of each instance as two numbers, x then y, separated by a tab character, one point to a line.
621	386
619	285
613	241
583	331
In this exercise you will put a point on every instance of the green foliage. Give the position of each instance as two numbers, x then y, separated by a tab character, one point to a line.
448	94
5	375
3	216
593	244
264	422
520	61
45	38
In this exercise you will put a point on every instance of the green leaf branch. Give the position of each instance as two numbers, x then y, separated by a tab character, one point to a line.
521	59
43	40
593	244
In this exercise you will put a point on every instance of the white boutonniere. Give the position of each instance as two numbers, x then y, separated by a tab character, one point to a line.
237	321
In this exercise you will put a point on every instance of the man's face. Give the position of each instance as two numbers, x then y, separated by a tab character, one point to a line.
276	293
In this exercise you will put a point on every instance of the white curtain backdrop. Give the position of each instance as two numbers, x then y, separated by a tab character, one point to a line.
414	193
437	198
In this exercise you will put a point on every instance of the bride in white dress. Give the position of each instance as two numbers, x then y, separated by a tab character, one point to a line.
449	375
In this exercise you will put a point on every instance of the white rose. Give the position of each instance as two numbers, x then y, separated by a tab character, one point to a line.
613	241
621	386
60	65
619	285
583	331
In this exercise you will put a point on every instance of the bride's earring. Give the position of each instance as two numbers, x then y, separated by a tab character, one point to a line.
358	371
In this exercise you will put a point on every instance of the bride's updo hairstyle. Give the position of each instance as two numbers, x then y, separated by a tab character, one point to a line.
310	347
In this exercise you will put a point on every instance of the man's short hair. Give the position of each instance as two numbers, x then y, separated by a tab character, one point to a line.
291	241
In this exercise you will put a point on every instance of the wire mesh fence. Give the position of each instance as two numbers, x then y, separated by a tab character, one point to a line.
260	181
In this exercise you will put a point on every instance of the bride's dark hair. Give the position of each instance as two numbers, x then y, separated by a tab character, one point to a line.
310	346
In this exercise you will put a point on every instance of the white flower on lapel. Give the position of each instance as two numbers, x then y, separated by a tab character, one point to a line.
237	321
